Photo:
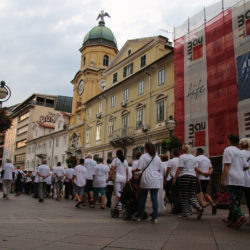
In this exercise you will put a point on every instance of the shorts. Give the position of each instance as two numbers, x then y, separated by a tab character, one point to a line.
204	186
78	190
59	185
99	190
89	186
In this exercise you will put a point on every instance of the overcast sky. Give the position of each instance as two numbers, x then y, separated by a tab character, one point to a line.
40	39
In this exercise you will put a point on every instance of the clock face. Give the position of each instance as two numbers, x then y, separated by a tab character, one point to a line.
80	88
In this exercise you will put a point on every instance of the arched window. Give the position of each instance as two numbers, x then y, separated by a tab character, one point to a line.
106	60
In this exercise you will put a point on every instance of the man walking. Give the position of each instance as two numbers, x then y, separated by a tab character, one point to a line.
79	181
8	174
59	178
19	181
68	182
43	173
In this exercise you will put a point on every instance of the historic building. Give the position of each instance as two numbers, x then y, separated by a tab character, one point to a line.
25	114
97	52
136	101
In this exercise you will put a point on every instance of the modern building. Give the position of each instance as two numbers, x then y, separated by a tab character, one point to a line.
97	52
33	109
136	101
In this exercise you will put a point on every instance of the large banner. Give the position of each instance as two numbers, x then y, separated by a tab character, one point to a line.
212	74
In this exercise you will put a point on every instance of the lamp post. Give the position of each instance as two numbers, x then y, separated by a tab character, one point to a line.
170	125
5	93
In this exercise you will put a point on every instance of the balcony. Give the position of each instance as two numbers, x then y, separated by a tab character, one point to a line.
122	137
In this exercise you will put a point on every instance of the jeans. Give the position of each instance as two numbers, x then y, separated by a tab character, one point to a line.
142	201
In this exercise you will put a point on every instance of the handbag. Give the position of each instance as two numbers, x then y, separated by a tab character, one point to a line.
112	174
223	199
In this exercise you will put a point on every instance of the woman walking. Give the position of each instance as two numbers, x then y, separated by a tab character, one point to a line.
151	180
187	181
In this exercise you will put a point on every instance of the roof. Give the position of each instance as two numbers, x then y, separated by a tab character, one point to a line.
64	103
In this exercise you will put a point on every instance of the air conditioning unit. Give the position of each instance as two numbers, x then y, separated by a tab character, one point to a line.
145	127
99	115
123	104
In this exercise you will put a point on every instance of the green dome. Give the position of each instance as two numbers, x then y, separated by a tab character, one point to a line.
100	35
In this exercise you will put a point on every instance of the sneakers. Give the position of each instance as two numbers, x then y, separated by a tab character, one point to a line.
214	210
154	221
5	196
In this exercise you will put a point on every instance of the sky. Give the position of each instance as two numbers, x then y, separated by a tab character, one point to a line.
40	39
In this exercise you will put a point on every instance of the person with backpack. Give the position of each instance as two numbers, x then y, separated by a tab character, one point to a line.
151	180
19	181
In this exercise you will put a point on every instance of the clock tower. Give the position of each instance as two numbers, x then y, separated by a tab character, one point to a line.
98	50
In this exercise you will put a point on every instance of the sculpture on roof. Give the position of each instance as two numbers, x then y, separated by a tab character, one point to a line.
102	15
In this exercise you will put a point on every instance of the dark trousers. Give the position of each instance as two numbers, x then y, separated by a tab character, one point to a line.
187	186
19	186
108	191
35	190
142	201
247	195
234	207
28	186
68	190
41	190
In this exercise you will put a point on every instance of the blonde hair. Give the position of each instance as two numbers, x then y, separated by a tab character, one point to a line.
186	148
245	143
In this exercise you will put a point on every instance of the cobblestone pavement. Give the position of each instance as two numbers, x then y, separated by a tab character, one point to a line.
27	224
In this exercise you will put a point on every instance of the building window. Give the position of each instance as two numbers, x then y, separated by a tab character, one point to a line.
135	150
139	118
89	113
57	141
21	144
100	107
88	131
141	88
128	70
160	111
143	61
98	132
159	149
19	158
129	52
23	117
125	121
22	130
125	95
50	143
115	77
65	140
161	77
83	61
113	101
106	60
111	127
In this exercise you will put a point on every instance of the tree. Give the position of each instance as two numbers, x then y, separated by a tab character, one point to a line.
170	143
5	121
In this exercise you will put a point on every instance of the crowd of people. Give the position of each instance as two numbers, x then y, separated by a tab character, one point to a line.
185	179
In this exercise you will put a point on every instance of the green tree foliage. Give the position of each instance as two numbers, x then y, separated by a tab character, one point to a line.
5	121
171	143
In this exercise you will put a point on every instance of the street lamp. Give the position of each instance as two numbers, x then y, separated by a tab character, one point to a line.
5	93
170	125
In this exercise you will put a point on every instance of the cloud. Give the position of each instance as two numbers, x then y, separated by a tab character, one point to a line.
40	40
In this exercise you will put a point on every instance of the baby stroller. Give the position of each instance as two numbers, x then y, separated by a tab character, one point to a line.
128	200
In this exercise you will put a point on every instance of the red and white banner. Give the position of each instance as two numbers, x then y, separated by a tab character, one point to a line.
212	81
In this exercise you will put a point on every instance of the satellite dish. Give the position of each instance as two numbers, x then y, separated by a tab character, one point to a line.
102	85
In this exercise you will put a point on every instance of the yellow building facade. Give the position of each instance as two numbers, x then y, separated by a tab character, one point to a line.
137	99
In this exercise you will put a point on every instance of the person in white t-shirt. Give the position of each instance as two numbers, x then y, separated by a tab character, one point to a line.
43	172
244	146
100	181
35	177
49	184
204	170
151	180
59	179
120	166
110	187
172	166
69	172
234	163
8	174
187	182
79	181
90	165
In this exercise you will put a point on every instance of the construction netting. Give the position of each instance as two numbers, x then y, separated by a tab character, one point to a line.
212	76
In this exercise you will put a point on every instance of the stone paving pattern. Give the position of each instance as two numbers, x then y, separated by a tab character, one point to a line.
27	224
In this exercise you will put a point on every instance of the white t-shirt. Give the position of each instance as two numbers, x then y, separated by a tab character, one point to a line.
28	179
101	176
8	171
173	165
246	154
204	164
80	173
36	176
69	174
130	174
235	157
44	170
165	167
90	165
120	168
152	176
59	173
48	179
188	163
135	164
